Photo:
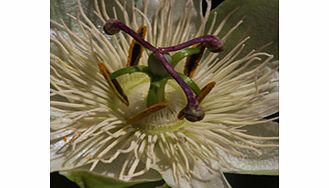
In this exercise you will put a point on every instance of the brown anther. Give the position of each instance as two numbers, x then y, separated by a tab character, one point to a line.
136	50
148	111
192	61
114	84
206	90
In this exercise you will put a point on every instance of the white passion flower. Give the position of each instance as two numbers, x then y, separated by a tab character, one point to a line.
142	94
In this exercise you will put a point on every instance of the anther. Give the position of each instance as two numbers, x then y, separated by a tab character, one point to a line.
114	84
148	111
135	49
206	90
192	61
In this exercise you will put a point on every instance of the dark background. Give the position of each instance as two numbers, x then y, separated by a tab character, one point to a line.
236	180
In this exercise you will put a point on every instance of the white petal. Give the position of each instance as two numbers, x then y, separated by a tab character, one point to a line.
267	162
268	166
201	178
85	178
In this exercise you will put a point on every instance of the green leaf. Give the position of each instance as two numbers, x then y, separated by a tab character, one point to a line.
87	179
260	22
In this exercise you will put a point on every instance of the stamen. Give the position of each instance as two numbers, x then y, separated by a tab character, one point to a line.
192	61
147	112
114	84
206	90
135	49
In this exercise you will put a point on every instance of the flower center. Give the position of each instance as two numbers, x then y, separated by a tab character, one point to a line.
158	117
161	68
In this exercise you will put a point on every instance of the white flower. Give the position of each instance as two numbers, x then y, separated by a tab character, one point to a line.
98	128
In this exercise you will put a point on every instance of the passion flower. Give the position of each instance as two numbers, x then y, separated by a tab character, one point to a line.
155	101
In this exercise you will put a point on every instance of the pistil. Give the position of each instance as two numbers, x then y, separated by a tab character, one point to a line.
192	110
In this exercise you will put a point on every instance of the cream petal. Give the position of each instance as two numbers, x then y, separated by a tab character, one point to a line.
56	163
200	178
113	169
267	163
269	166
87	179
269	129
